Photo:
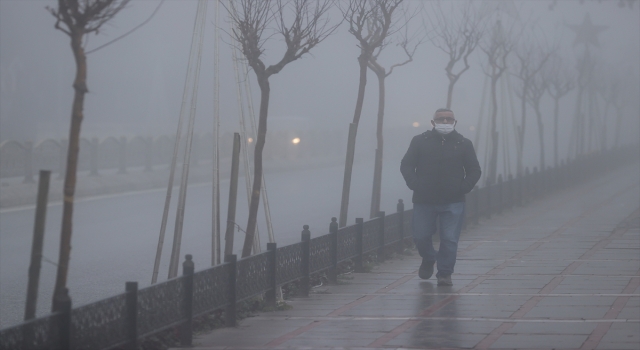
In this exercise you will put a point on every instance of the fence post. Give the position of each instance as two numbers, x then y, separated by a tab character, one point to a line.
306	239
359	260
533	183
400	210
230	311
500	194
526	186
381	241
37	245
28	163
93	159
186	333
332	275
63	305
273	270
122	155
489	188
132	315
510	181
476	205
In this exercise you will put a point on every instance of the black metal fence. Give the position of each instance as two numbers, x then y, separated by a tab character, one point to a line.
122	320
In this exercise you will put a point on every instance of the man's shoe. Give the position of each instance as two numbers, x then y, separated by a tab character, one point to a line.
445	281
426	269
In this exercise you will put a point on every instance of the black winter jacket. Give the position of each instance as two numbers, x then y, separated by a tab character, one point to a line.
440	169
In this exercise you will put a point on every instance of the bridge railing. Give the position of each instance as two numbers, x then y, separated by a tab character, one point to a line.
124	319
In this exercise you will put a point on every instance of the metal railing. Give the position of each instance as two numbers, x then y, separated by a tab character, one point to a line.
124	319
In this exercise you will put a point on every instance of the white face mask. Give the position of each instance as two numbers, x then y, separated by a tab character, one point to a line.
444	128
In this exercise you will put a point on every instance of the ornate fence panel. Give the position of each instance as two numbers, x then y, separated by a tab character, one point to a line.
347	242
252	276
370	235
160	306
136	152
210	289
391	228
319	253
108	153
407	222
289	263
38	334
163	150
12	159
47	155
100	325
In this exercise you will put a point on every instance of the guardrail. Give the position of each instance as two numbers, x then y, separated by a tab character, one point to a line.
124	319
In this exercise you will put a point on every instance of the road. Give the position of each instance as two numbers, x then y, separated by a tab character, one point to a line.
115	236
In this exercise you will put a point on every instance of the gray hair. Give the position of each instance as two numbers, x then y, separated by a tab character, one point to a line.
442	110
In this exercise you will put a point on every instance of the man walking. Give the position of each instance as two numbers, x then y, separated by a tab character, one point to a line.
440	167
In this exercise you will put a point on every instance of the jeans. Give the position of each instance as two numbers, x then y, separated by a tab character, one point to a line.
425	217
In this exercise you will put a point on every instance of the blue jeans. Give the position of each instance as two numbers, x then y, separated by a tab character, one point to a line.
450	218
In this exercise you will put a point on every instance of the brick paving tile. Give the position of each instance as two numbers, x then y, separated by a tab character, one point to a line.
562	272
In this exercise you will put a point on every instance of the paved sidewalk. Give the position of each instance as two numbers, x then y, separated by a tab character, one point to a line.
560	273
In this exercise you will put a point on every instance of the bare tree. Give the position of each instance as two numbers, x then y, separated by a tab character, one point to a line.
457	34
561	82
497	47
409	44
370	22
303	24
76	19
536	90
609	87
531	58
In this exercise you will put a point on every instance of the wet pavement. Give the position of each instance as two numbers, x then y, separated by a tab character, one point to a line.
561	273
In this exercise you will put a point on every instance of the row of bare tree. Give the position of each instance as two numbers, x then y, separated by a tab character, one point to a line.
456	29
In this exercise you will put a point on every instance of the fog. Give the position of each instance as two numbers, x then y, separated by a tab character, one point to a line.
135	85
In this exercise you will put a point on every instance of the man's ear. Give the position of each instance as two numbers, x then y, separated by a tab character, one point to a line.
433	123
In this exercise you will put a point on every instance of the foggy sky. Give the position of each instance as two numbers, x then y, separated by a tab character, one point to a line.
136	84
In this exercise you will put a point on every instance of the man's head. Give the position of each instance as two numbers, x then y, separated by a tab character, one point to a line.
443	120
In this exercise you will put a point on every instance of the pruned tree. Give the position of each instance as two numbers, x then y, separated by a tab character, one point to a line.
497	46
561	82
409	42
531	58
536	90
303	24
371	23
457	34
609	87
77	18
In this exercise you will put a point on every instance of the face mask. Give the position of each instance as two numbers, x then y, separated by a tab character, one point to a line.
444	128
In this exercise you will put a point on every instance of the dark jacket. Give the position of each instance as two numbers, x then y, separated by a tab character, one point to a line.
440	169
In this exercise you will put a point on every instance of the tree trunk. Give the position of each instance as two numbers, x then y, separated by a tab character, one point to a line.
540	136
556	111
452	82
521	132
80	87
377	169
493	161
263	82
363	60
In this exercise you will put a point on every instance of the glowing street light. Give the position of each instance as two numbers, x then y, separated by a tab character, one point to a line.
295	141
250	140
415	124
